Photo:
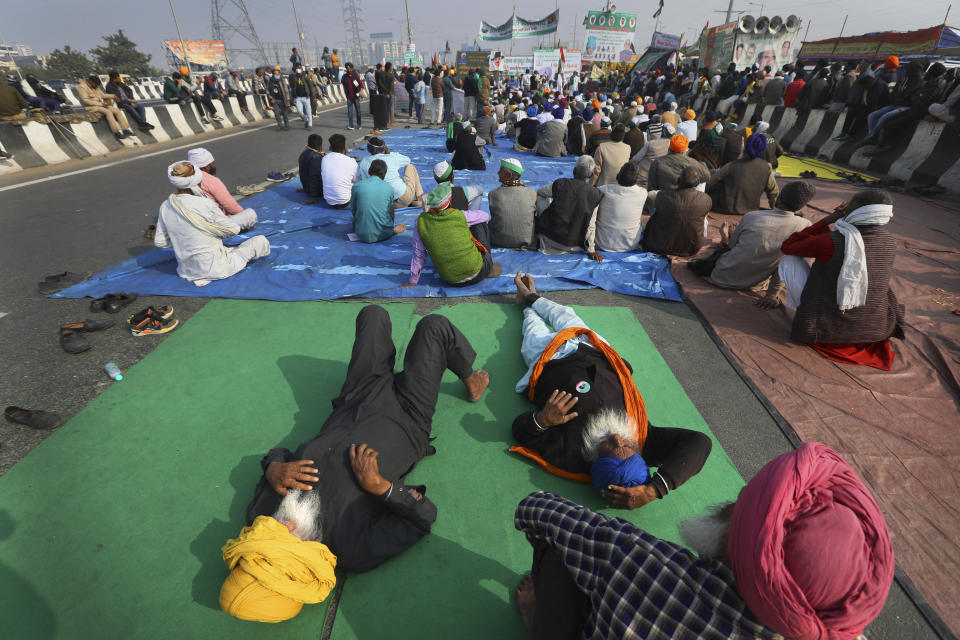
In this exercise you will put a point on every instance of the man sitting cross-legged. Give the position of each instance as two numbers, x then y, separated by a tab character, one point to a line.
804	552
214	188
401	174
350	507
311	168
193	225
458	242
372	206
589	416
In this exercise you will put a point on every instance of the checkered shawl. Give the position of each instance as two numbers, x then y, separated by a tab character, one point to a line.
639	586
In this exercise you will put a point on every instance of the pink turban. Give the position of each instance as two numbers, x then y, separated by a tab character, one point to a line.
809	548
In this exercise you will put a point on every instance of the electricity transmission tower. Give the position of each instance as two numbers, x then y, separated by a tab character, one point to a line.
230	21
351	27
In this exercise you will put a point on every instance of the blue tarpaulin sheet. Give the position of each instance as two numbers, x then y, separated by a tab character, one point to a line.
312	259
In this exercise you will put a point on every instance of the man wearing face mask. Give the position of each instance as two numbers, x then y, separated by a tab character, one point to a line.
213	188
278	98
303	90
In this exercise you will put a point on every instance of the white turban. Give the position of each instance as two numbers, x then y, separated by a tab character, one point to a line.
670	129
199	157
185	182
762	126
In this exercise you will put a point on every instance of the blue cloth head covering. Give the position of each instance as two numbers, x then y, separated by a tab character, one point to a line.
558	113
588	113
756	145
532	111
608	470
578	113
548	106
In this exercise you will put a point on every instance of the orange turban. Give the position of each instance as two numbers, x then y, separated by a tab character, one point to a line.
184	71
689	114
679	143
596	105
273	572
892	62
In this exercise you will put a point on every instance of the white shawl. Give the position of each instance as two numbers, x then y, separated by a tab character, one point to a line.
852	281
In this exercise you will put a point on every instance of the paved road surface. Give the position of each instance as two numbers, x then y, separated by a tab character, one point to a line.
85	222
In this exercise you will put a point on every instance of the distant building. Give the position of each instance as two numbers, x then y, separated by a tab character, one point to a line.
18	49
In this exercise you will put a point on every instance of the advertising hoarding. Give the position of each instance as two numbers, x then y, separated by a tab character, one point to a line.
609	36
211	53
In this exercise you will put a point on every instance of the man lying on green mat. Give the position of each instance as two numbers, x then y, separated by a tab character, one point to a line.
608	439
335	488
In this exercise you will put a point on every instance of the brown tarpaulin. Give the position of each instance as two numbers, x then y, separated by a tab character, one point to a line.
899	429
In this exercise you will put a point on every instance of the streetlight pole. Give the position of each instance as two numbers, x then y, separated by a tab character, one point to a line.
183	47
296	20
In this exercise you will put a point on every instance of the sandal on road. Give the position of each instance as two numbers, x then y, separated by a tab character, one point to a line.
73	342
88	325
112	302
58	281
35	419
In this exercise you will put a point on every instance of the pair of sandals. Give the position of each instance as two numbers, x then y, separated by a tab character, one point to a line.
70	334
808	174
112	302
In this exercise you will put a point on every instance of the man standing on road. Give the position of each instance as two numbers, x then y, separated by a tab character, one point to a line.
279	98
385	81
436	92
353	89
303	91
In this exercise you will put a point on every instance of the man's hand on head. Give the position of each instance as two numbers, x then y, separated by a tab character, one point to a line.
629	497
363	459
557	409
283	476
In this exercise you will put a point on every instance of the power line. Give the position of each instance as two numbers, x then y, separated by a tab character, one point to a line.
230	21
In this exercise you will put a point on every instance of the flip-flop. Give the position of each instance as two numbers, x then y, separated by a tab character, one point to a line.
73	342
88	325
97	305
35	419
119	301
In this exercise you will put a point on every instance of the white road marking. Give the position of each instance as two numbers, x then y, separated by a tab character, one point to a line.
145	155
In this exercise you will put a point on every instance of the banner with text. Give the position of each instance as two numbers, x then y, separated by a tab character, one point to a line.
472	60
210	53
510	64
609	36
546	61
664	41
519	28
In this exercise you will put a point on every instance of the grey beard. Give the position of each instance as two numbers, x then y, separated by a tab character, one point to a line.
706	534
302	508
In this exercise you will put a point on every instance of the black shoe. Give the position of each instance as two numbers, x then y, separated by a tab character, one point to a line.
6	156
119	135
35	419
52	284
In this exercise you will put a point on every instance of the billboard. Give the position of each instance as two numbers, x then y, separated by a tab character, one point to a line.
878	45
470	60
510	64
664	41
609	36
383	35
717	45
763	49
545	61
211	53
519	28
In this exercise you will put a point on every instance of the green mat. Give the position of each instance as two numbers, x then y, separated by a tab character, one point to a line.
113	526
457	582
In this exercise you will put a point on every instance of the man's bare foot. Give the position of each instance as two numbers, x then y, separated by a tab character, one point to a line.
400	228
476	383
526	601
522	290
528	281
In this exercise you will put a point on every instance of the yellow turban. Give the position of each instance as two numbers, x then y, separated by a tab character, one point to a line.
273	572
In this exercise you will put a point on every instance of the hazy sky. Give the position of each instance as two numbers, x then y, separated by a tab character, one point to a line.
46	24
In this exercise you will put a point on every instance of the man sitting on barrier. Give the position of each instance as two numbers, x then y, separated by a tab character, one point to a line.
803	552
845	308
458	242
214	189
401	174
234	89
122	94
588	409
94	99
193	225
372	206
340	500
737	187
33	102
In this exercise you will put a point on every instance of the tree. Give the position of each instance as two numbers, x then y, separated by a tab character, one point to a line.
121	54
69	63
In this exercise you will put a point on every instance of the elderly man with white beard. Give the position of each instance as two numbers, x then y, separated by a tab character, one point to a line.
194	226
590	422
804	553
349	506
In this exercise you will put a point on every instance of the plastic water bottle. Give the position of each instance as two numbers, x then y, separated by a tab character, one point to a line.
113	371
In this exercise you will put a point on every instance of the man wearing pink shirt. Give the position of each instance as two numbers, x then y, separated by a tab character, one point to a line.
213	188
